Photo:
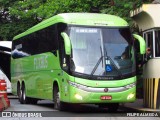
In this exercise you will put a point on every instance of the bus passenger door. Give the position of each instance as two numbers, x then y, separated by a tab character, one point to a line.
63	77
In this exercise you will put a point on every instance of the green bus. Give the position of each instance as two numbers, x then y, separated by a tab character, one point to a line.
82	58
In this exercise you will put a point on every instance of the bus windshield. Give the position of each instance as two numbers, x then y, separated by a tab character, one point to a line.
102	52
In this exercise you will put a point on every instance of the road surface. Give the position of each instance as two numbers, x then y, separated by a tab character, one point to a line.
44	110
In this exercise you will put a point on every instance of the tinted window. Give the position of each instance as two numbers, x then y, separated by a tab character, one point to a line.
157	43
149	44
45	40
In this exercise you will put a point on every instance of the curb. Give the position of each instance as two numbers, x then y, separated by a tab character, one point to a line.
138	109
12	97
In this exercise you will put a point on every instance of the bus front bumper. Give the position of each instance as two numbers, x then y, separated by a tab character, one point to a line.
80	96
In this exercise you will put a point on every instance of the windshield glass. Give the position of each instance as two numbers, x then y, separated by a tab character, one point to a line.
102	51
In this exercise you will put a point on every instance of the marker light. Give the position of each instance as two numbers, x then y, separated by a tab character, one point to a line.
76	85
79	97
130	96
130	85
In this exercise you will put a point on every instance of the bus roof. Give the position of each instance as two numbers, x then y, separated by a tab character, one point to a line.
89	19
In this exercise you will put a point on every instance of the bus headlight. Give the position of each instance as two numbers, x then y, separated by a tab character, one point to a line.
79	97
130	96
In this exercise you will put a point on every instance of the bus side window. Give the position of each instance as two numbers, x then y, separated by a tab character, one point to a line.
63	56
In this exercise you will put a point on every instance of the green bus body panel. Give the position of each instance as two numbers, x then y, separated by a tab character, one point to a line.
105	83
69	91
40	62
39	72
89	19
92	97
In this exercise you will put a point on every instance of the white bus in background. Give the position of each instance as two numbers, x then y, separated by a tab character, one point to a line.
5	53
7	44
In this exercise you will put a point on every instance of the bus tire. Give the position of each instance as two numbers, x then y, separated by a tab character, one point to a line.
58	105
19	92
23	98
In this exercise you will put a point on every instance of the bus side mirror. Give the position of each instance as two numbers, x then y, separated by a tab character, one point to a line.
141	43
67	43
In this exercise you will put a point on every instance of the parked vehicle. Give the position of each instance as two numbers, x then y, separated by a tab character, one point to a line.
5	54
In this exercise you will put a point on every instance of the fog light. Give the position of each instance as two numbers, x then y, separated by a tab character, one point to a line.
77	96
130	96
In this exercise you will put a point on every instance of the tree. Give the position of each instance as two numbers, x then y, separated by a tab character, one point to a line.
4	18
17	16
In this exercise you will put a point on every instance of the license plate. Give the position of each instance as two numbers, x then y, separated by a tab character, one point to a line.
106	97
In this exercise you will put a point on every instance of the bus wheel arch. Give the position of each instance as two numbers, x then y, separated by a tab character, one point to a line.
58	104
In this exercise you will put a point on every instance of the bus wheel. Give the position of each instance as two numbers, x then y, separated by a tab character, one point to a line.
23	98
58	105
112	107
19	92
20	96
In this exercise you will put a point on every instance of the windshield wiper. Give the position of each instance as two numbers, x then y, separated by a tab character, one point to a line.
96	66
98	62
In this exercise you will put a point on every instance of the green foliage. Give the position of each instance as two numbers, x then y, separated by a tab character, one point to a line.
18	15
122	8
